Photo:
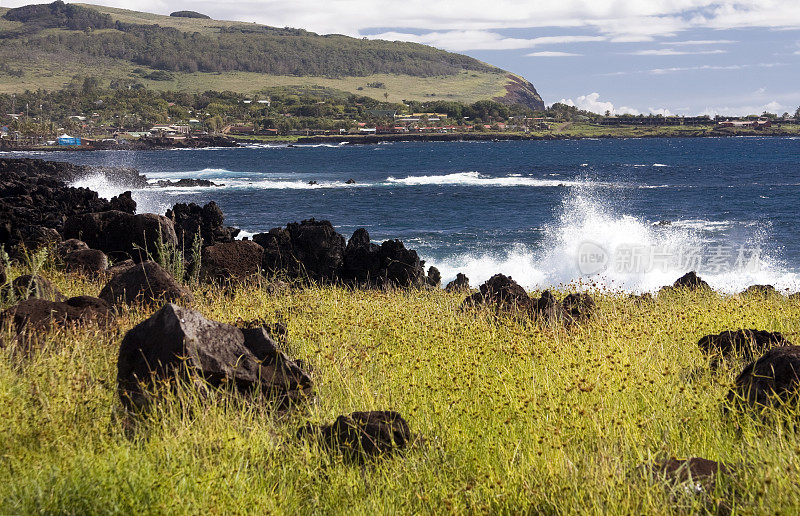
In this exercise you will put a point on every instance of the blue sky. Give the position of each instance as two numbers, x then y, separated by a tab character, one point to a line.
667	56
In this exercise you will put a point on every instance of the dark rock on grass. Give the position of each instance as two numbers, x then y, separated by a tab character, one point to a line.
276	331
175	341
87	261
691	281
642	299
41	314
310	250
70	245
27	286
206	222
362	435
232	260
548	309
434	278
745	343
759	290
579	306
145	282
460	284
771	380
502	293
122	235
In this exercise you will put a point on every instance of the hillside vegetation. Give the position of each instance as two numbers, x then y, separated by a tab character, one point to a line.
82	38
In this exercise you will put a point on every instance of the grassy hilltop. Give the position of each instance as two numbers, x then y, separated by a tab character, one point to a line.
514	416
44	46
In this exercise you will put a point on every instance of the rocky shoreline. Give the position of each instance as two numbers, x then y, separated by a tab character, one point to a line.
204	142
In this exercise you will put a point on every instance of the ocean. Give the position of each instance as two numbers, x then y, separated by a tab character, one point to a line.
620	214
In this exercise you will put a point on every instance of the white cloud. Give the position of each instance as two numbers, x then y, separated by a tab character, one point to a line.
661	111
673	52
463	40
619	20
772	107
592	102
700	42
552	54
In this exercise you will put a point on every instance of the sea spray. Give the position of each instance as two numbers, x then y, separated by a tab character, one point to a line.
632	254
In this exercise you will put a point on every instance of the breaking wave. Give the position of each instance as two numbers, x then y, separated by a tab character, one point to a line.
591	245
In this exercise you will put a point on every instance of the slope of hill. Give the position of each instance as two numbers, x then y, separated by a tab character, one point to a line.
44	46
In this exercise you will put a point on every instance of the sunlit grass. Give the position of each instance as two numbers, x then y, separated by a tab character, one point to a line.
513	416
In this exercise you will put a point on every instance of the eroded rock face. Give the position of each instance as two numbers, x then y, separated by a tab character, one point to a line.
770	380
360	261
461	283
362	435
233	260
144	282
70	245
579	306
41	314
121	235
310	249
34	195
175	340
745	343
192	220
86	261
402	266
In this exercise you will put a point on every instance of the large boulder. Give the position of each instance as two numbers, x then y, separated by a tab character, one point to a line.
145	282
434	278
232	260
311	249
27	286
746	343
87	261
772	379
362	435
41	314
206	222
176	340
122	235
579	306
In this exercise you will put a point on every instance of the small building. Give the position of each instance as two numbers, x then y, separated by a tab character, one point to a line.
66	140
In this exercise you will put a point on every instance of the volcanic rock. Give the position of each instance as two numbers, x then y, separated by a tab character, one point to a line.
27	286
145	282
177	340
231	260
122	235
191	220
746	343
310	250
770	380
362	435
87	261
461	283
503	293
41	314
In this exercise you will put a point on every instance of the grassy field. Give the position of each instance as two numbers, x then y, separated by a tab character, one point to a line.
515	417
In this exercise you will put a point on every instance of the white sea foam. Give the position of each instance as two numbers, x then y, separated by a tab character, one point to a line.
477	179
585	220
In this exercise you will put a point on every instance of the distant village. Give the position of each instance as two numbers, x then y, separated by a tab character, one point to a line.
260	118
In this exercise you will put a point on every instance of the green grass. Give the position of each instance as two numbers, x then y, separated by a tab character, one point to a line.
515	417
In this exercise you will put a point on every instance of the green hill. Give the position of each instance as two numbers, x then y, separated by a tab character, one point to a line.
44	46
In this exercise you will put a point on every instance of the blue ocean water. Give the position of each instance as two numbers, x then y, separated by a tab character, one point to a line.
631	214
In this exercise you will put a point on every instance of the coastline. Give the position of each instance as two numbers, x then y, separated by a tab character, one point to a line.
623	132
